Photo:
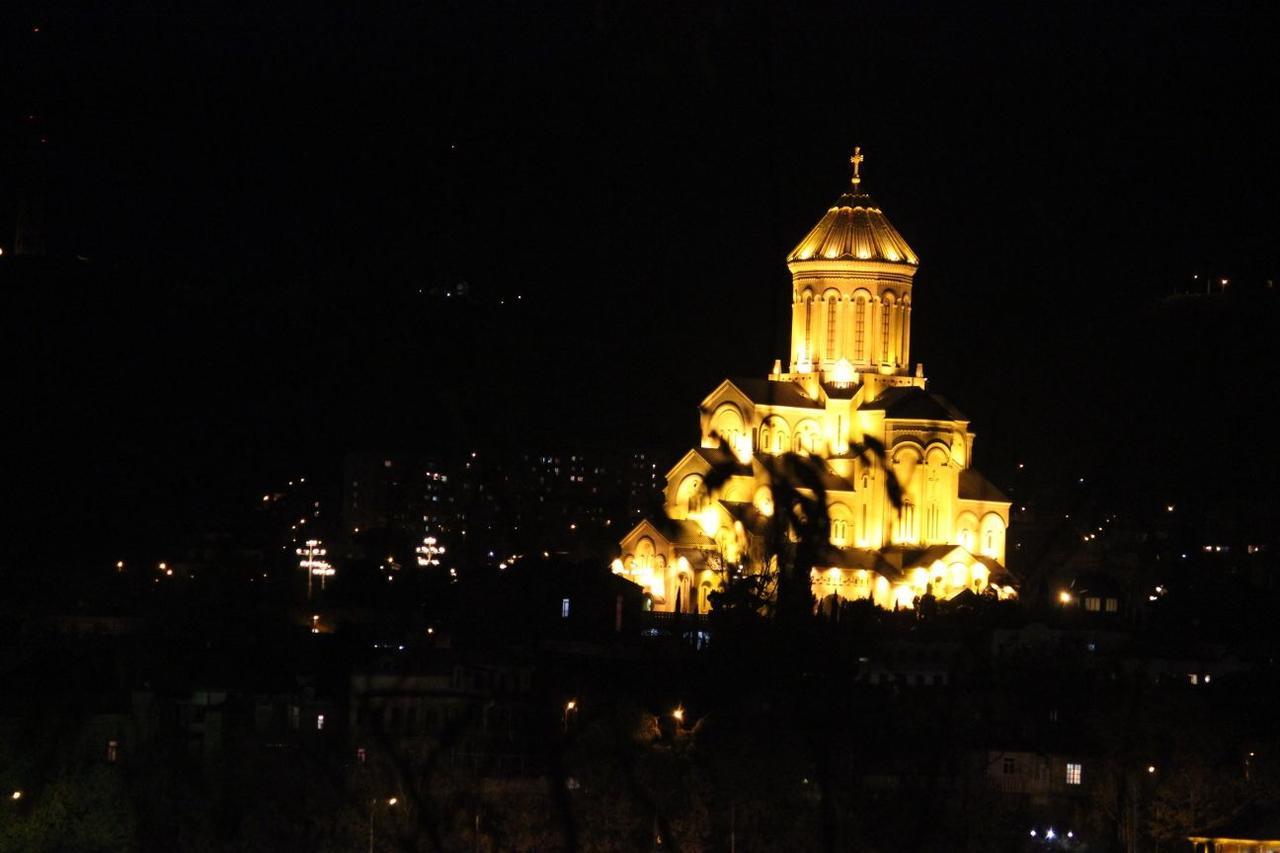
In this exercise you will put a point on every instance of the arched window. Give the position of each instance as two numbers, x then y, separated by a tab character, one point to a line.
902	331
832	306
644	557
684	593
860	330
692	494
886	309
808	326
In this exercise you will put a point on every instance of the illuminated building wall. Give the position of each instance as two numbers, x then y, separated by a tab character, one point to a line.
848	378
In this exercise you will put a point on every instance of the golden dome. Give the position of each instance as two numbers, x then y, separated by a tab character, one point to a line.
854	229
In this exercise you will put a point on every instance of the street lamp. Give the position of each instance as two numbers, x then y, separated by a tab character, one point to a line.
312	560
372	805
17	795
678	713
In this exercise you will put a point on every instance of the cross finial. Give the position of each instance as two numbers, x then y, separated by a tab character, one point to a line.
856	160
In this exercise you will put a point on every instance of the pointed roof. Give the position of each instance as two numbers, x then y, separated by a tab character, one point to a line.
770	392
975	487
854	229
910	402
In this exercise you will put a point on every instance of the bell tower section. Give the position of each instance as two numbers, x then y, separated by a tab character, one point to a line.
851	282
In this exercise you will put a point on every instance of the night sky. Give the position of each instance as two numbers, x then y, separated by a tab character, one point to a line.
247	207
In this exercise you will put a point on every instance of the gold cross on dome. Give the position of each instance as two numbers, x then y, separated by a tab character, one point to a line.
856	160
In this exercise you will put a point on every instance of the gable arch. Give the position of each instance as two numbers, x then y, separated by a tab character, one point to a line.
728	422
937	453
775	435
807	436
841	518
691	495
991	536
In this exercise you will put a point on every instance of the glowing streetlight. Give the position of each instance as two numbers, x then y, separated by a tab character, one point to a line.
17	795
429	552
1064	597
678	714
372	805
312	554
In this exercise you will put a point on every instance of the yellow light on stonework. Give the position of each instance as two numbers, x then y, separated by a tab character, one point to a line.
682	565
709	518
764	501
979	573
742	447
844	375
905	596
959	575
803	364
919	578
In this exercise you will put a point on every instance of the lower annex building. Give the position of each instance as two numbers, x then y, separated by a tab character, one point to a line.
849	378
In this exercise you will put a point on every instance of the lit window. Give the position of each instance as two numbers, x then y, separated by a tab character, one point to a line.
1073	774
113	751
564	608
1112	605
319	722
831	328
361	754
808	326
1093	603
859	335
886	310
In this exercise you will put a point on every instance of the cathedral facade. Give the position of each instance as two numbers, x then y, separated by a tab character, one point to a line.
848	379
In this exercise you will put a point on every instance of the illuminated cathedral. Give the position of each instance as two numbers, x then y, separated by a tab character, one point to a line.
849	377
